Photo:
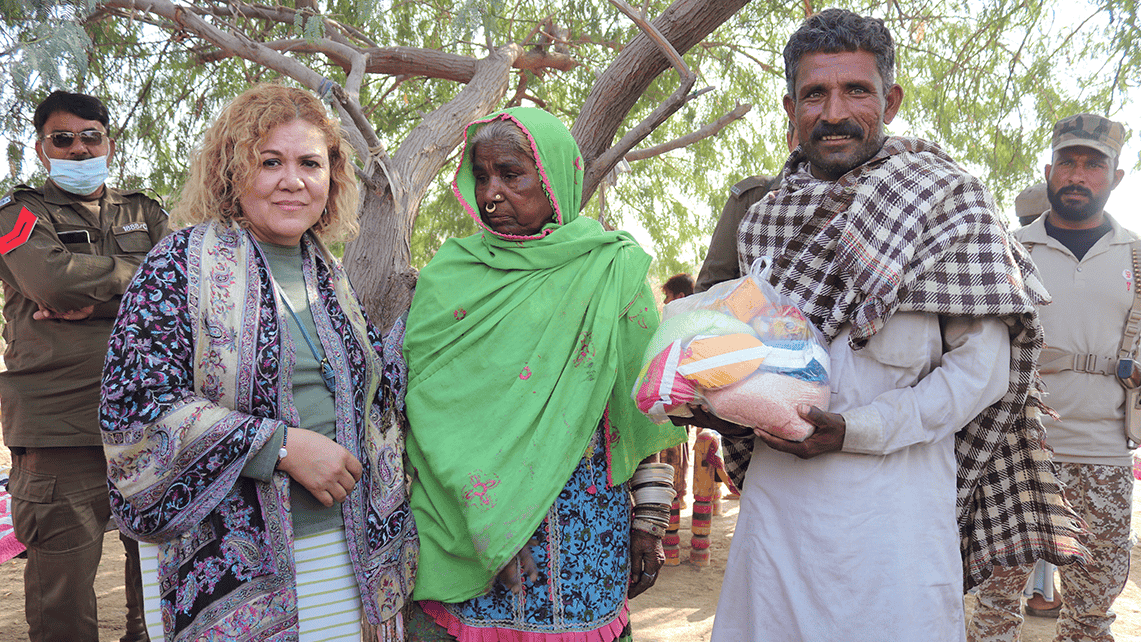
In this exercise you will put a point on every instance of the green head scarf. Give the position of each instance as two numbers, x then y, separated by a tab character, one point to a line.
517	349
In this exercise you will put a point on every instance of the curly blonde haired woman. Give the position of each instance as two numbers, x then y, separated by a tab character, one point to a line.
250	412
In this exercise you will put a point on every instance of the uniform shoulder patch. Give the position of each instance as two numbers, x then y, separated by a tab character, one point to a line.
4	201
20	233
749	183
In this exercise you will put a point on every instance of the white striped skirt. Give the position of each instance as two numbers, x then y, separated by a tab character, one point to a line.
328	600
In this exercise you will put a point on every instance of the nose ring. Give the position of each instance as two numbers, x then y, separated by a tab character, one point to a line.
490	207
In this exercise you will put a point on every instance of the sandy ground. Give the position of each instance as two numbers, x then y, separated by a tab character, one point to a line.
680	608
682	604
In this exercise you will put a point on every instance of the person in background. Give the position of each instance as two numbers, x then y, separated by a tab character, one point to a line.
523	343
1087	260
1031	203
721	258
904	494
677	286
68	249
1042	598
251	414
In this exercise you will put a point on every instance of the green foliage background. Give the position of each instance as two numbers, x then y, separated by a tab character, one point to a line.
984	78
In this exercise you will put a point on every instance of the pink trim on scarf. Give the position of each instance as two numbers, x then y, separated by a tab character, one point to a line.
606	446
464	633
538	164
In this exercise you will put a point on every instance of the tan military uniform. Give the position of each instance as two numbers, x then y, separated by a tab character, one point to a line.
1091	300
64	253
721	259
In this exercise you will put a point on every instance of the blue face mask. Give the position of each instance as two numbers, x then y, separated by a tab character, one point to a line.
79	177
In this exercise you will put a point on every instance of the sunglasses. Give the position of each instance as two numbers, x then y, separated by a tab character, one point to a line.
64	140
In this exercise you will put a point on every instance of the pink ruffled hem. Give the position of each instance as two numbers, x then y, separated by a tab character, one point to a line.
464	633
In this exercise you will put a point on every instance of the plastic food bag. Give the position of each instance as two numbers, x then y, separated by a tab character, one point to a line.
741	350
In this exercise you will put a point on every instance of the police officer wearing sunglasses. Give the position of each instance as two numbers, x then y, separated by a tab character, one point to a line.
68	249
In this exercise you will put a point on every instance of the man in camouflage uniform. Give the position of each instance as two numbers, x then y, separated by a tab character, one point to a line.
1085	259
67	252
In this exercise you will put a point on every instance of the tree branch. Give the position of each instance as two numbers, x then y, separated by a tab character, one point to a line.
240	45
706	131
412	61
685	23
283	15
606	161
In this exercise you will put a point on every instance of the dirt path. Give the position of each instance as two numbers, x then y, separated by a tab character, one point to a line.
680	608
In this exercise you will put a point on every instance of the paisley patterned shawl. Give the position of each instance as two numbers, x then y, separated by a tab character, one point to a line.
197	380
910	230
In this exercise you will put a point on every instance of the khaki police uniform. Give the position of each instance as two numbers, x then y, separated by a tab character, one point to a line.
64	253
721	259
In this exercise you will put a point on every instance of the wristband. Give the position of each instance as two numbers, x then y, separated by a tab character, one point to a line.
645	526
282	453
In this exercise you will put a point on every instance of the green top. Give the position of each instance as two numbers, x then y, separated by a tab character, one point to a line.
516	349
313	400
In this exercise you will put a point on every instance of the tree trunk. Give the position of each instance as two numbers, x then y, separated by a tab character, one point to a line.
378	262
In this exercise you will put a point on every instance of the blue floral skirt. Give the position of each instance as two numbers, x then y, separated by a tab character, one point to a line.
582	553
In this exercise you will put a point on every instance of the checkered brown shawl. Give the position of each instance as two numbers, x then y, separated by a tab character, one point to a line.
910	230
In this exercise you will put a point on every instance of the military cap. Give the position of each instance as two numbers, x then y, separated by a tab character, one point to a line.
1089	130
1030	203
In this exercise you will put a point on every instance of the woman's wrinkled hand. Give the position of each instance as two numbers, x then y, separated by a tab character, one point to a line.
522	564
702	418
321	465
646	560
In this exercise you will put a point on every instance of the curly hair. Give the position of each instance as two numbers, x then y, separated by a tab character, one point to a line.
836	30
227	161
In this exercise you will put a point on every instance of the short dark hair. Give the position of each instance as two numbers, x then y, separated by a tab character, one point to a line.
81	105
679	284
835	30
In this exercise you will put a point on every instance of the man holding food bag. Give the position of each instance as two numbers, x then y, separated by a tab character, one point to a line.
866	521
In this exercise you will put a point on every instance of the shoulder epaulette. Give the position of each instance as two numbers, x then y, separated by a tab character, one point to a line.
749	183
16	190
145	192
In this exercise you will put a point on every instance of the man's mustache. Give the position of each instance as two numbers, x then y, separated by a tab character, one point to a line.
1075	189
846	128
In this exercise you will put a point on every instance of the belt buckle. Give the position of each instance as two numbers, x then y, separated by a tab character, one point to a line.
1090	364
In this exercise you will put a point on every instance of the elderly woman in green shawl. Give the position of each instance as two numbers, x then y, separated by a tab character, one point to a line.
523	343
